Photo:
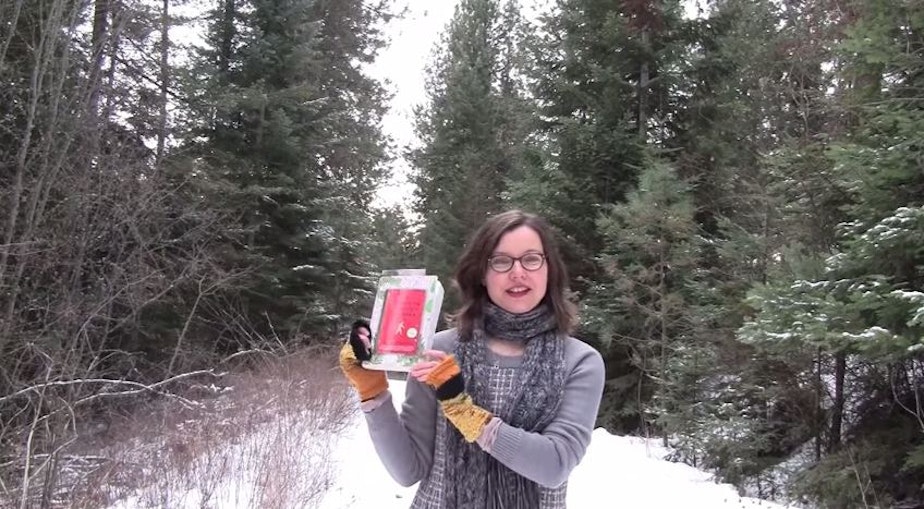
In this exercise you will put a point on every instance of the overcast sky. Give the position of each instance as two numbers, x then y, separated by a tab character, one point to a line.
401	65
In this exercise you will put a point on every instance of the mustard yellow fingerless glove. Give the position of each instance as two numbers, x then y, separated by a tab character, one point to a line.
458	407
368	383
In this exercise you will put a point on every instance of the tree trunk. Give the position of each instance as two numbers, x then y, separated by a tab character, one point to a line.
837	412
643	82
227	37
662	317
164	81
818	410
98	42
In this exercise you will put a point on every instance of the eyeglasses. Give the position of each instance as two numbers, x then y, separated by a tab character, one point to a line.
529	261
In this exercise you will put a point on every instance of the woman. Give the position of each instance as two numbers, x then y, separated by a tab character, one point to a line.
504	406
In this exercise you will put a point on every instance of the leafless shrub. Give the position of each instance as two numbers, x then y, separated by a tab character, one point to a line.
262	441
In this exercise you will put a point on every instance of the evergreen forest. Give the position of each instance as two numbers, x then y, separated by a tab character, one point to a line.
737	187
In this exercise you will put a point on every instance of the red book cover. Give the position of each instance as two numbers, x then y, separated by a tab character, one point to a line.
402	318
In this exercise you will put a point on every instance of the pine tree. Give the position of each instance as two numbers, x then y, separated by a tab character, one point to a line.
468	143
294	150
352	163
640	309
862	307
601	77
751	138
393	244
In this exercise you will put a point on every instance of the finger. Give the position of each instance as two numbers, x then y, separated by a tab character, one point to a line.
422	369
422	374
436	355
423	364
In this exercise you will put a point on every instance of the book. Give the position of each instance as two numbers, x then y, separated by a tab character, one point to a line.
404	318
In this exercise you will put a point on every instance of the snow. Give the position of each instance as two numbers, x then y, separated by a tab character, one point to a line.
902	223
618	471
627	468
915	298
872	333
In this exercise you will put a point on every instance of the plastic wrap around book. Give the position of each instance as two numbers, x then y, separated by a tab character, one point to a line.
404	318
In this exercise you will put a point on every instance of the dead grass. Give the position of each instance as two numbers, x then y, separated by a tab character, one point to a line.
263	440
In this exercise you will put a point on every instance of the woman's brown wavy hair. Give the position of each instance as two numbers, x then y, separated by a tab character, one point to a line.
472	264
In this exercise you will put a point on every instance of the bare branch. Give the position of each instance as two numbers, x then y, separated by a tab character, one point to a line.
247	352
139	387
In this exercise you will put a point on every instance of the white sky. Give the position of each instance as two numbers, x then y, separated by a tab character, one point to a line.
401	67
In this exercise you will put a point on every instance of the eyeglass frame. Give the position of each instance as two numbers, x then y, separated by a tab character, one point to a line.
517	259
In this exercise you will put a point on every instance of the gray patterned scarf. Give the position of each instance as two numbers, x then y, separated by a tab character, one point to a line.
475	480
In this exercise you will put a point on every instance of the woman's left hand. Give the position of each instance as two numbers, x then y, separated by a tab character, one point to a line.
423	368
445	376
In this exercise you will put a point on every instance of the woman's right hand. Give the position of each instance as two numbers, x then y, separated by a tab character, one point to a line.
360	340
421	369
368	383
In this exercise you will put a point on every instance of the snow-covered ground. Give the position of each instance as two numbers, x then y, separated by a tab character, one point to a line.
616	472
287	461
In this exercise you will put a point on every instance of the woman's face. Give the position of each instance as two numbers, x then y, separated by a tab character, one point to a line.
517	290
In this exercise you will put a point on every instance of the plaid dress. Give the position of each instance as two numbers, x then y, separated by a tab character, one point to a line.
430	493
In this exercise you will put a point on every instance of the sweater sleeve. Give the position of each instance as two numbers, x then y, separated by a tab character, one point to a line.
404	442
547	457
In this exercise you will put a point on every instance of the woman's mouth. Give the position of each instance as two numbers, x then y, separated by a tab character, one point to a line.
518	291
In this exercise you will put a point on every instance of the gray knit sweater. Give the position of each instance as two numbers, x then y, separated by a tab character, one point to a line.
406	442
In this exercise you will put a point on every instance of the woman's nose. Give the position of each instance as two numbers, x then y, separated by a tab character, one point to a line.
517	271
